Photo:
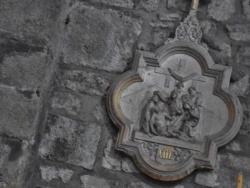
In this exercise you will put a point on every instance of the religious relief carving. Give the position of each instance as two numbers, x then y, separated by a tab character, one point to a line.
174	108
175	116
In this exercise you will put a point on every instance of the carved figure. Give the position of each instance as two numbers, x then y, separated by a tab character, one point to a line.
191	103
176	116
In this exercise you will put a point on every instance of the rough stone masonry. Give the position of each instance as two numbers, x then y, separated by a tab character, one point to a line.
57	61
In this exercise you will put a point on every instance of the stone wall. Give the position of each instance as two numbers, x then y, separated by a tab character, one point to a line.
57	61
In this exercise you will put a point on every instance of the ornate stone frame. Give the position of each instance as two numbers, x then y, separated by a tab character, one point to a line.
193	48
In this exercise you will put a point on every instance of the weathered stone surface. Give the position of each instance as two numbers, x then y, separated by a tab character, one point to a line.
111	160
70	141
5	152
49	173
100	39
138	185
234	146
24	70
118	3
170	17
93	182
33	17
13	161
246	7
222	51
236	162
208	179
83	82
160	35
245	128
243	56
241	87
18	112
208	28
150	5
178	4
3	185
221	10
84	107
239	32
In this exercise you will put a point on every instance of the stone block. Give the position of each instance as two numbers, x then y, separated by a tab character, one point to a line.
179	4
85	107
13	161
18	111
29	16
138	185
246	8
234	146
241	87
118	3
101	39
208	179
209	28
49	173
24	70
243	56
113	161
70	141
239	32
150	5
85	82
221	10
93	182
238	163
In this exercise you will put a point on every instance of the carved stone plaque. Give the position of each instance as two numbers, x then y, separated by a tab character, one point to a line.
174	109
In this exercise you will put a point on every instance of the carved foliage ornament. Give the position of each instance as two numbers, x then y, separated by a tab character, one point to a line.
174	109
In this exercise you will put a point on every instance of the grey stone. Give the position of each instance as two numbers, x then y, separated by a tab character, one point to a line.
83	82
18	112
236	162
239	32
234	146
150	5
3	185
243	56
49	173
223	50
207	179
246	8
245	128
111	160
138	185
94	182
85	107
29	17
208	28
99	38
160	35
170	17
70	141
118	3
14	159
24	70
221	10
5	152
67	102
241	87
178	4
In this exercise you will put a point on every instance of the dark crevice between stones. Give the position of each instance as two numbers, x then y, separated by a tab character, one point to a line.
67	20
27	93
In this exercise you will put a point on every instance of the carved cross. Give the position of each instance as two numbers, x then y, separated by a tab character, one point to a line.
179	70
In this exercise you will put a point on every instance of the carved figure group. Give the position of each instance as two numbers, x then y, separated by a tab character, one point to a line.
174	116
